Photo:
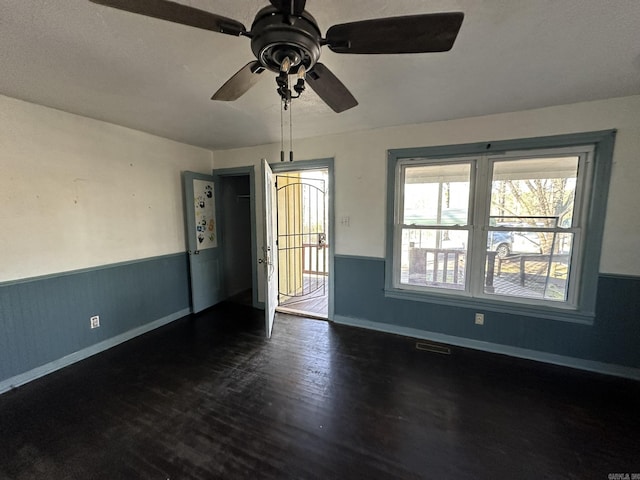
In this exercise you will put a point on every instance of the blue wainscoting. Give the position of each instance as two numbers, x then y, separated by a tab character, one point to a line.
609	345
44	321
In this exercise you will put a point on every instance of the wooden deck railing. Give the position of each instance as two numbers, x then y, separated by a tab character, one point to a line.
315	258
438	265
446	266
521	262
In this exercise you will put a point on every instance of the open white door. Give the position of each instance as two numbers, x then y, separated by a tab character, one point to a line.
270	251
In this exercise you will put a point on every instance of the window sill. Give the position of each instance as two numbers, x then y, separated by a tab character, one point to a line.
538	311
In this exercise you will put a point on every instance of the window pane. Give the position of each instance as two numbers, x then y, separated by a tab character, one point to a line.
531	274
436	194
511	243
433	258
537	193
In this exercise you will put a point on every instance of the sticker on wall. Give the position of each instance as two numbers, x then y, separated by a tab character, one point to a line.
205	214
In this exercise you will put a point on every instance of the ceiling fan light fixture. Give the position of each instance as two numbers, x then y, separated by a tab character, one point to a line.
286	39
285	65
299	86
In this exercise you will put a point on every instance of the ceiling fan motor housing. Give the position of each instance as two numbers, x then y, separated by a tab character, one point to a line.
277	35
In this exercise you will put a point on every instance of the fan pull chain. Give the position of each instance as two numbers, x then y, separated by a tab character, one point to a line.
291	132
284	90
282	131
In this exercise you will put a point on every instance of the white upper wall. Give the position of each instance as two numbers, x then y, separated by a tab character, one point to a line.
78	193
360	168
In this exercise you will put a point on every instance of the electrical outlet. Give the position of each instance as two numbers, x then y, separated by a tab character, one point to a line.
95	321
479	318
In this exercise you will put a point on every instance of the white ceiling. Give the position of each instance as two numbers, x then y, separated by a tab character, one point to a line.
158	77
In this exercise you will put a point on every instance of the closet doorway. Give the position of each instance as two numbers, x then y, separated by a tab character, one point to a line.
238	236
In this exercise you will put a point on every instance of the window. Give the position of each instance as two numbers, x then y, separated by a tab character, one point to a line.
514	224
433	224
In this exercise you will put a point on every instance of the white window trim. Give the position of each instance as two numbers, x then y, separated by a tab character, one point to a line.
398	227
592	147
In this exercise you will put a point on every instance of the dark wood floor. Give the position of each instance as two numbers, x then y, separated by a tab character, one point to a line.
208	397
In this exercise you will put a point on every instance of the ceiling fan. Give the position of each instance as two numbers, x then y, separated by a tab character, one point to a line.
286	39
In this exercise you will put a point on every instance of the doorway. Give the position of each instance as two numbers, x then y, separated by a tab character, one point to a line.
304	217
238	236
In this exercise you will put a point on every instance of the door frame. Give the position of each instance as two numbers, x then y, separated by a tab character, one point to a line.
318	164
249	170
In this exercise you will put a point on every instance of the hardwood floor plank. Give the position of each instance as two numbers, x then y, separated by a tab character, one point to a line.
208	397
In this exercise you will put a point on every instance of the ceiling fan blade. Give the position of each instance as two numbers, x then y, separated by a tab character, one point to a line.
178	13
330	89
240	83
434	32
293	7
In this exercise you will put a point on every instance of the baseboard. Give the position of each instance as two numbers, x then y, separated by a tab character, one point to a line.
571	362
67	360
